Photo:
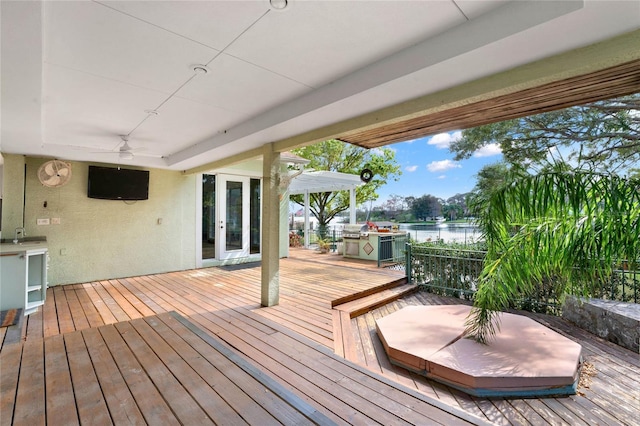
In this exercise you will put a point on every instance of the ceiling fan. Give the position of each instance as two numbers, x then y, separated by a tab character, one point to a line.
125	152
123	149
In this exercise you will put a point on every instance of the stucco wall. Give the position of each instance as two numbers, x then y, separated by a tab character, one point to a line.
100	239
12	193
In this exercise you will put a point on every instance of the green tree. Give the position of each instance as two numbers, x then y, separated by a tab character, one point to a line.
456	207
489	178
602	137
337	156
562	228
426	207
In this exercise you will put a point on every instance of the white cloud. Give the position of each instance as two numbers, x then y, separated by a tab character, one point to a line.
442	177
443	140
443	165
378	151
411	168
488	150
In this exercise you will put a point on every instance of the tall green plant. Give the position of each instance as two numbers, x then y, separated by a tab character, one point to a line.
562	228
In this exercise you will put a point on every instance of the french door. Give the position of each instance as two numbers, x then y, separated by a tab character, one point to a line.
235	219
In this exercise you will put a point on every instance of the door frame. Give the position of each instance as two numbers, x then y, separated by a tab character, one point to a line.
222	225
235	257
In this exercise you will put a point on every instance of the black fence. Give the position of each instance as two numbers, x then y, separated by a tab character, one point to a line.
455	272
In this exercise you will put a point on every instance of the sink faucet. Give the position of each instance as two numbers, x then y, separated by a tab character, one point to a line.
21	232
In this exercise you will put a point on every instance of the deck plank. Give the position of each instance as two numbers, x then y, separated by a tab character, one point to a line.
232	397
117	395
89	308
177	397
193	382
114	309
10	360
78	315
124	305
63	312
49	317
91	404
91	292
30	399
305	380
149	400
60	401
34	326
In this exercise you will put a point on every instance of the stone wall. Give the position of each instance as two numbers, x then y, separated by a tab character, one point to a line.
617	322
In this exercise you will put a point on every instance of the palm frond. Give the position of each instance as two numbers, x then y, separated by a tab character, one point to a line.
566	226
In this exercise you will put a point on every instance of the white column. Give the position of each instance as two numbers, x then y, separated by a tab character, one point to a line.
306	219
270	284
352	206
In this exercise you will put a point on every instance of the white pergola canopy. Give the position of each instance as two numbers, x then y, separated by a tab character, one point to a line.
324	181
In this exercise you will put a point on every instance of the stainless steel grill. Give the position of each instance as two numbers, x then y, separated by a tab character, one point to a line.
354	231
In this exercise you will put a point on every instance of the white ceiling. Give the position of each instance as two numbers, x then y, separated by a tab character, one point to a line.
77	74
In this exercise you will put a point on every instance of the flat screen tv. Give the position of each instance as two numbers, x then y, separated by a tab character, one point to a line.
110	183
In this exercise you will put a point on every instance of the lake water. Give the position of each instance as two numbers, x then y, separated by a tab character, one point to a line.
448	232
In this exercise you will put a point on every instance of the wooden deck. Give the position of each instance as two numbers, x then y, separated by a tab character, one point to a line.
109	352
95	345
611	398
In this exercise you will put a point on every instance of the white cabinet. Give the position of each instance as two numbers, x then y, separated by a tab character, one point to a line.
23	278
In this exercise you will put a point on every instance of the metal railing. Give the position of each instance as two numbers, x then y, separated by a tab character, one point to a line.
391	250
334	236
455	272
442	270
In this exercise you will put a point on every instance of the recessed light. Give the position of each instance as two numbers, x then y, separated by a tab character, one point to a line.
200	69
279	4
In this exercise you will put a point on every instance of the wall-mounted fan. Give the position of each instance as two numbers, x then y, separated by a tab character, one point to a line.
54	173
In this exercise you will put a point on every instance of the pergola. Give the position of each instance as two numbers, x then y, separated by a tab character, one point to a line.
324	181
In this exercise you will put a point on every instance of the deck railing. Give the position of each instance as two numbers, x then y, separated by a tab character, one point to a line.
334	236
443	270
455	272
391	250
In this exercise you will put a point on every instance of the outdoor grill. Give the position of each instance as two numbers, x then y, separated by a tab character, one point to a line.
351	235
354	231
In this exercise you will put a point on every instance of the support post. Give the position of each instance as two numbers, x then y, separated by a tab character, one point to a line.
352	206
306	219
270	288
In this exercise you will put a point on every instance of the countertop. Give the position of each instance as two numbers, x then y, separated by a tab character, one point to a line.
7	246
386	233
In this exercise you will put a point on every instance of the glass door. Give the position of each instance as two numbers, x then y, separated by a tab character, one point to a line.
231	208
209	217
233	216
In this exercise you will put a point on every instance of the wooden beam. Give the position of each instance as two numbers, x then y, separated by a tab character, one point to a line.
585	61
610	83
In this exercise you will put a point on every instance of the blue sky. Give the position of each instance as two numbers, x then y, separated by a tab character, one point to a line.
428	168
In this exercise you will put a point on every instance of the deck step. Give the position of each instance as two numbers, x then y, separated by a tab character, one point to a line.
367	303
373	290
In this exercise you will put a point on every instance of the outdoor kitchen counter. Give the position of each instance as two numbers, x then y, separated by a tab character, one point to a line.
23	274
9	248
372	245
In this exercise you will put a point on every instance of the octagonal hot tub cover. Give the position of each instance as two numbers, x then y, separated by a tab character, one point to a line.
525	359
